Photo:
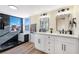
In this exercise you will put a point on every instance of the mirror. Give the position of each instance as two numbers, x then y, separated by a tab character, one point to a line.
33	28
62	22
44	24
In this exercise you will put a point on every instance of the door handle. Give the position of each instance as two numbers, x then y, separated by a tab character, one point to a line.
64	47
38	40
49	37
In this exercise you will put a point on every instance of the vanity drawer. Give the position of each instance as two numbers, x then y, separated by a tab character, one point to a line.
71	40
67	39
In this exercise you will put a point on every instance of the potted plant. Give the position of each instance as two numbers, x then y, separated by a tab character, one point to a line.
51	30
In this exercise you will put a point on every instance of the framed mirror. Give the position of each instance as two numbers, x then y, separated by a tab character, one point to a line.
44	24
62	22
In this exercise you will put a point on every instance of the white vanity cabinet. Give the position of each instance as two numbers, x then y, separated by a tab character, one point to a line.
44	43
58	47
65	48
39	42
70	49
66	45
57	44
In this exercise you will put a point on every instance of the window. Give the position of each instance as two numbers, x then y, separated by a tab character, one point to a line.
15	23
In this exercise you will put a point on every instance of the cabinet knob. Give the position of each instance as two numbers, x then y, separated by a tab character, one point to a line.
38	40
48	42
48	49
49	37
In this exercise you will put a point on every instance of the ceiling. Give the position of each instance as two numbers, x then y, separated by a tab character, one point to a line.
27	10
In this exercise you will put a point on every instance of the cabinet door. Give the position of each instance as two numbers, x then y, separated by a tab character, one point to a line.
58	47
37	42
70	48
52	45
40	42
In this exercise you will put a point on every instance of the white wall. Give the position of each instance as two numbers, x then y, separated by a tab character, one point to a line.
76	14
35	19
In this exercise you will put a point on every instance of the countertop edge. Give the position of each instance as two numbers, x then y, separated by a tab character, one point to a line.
55	34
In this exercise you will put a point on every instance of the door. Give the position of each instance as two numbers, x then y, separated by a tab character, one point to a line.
40	42
37	41
59	47
70	48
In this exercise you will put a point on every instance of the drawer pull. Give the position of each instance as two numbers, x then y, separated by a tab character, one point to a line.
62	46
48	49
48	42
48	37
39	41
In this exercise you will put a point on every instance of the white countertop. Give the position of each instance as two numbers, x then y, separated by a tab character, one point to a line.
57	34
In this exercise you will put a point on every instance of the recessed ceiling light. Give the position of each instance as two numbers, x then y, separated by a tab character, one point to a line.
12	7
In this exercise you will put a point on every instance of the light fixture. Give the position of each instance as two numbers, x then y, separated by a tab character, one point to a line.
12	7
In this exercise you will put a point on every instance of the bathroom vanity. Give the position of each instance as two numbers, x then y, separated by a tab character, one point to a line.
64	26
56	43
